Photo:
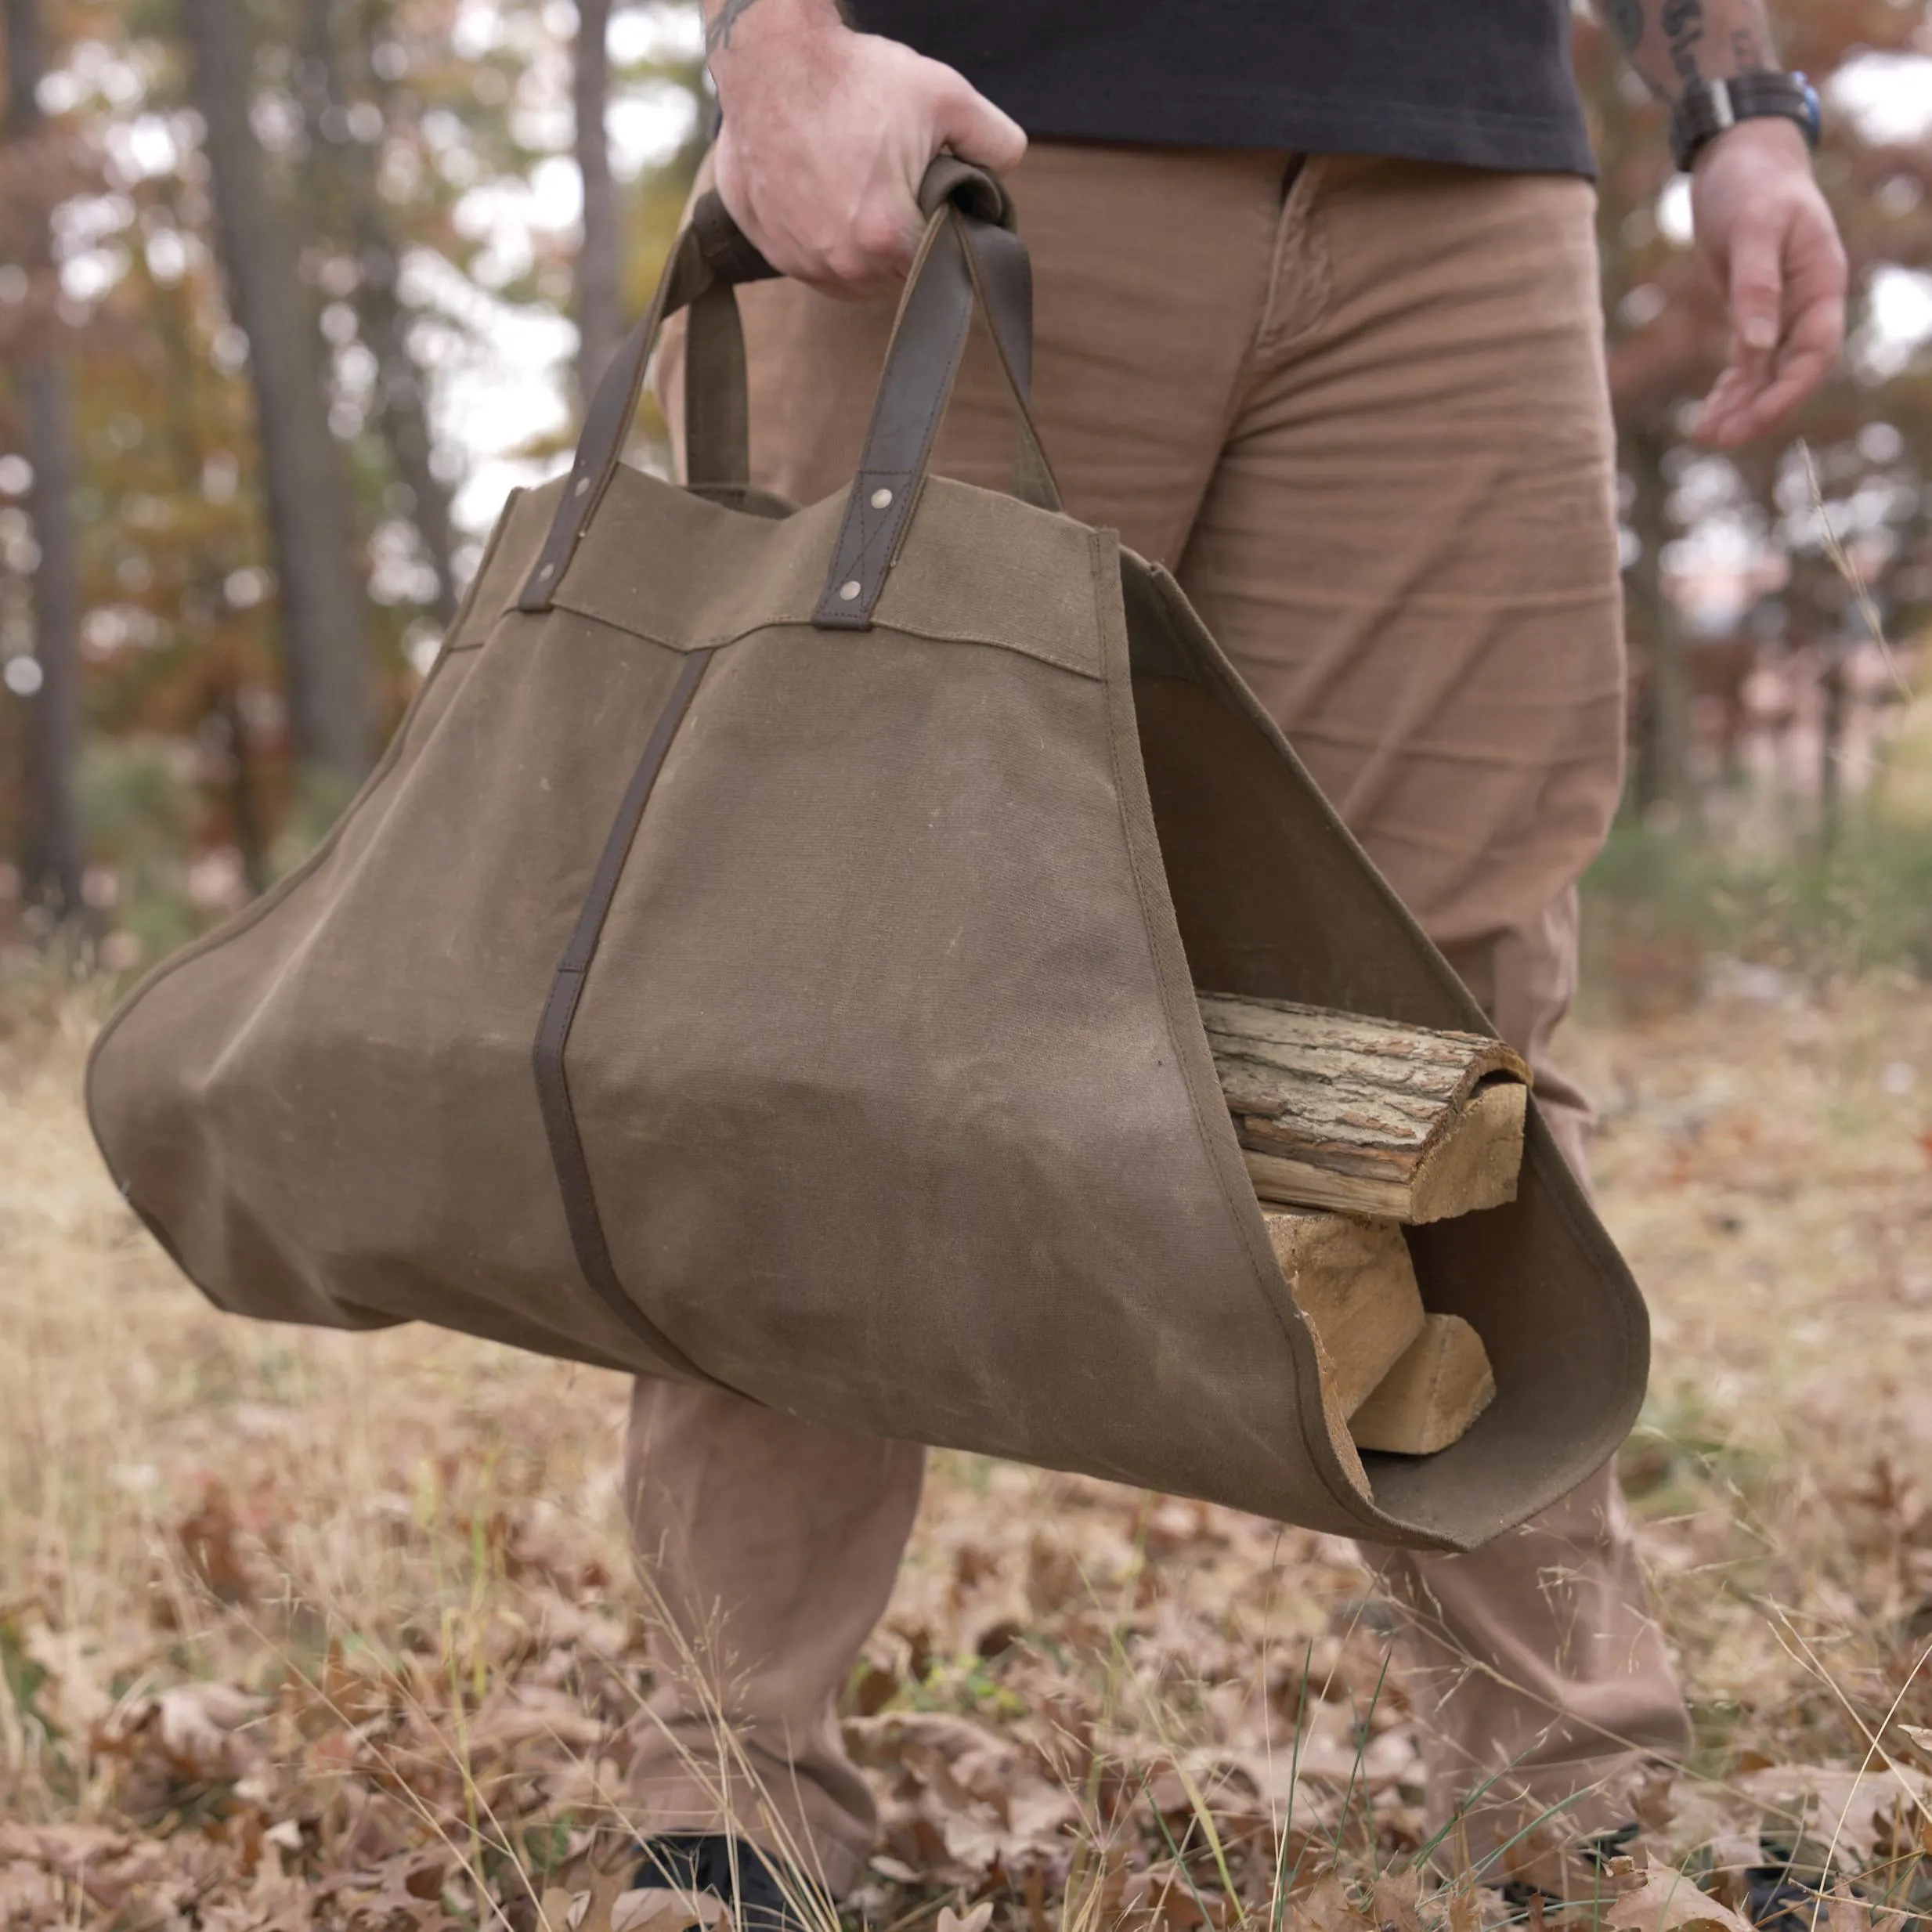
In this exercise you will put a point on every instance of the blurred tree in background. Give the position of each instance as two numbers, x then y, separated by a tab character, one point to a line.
274	275
36	174
291	292
1774	806
1871	430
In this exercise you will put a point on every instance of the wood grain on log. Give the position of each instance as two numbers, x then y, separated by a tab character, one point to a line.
1368	1117
1354	1281
1432	1395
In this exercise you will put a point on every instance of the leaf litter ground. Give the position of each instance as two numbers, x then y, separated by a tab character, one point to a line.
308	1631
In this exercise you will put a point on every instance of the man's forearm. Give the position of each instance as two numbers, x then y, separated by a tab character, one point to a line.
1672	43
719	17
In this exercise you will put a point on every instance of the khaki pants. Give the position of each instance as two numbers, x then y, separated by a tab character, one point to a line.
1359	408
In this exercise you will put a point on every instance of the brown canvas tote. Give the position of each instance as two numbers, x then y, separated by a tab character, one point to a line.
766	957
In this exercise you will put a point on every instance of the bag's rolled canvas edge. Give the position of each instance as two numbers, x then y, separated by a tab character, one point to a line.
1543	1162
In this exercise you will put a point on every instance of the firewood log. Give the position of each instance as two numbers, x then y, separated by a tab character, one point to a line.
1432	1396
1337	1423
1368	1117
1354	1281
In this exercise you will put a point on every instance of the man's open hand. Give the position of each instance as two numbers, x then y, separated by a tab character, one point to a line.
827	134
1764	227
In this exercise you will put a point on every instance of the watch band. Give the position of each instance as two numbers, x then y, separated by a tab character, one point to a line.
1708	107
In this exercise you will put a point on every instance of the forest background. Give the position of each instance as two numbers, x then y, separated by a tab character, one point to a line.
292	292
302	1632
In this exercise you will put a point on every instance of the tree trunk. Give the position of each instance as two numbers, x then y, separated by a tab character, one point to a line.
251	841
324	616
53	849
1832	721
52	854
1663	751
339	62
600	265
404	411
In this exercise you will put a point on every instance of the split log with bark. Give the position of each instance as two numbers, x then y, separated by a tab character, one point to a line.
1363	1125
1368	1117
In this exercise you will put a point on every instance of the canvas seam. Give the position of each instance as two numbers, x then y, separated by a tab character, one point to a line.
723	641
1352	1502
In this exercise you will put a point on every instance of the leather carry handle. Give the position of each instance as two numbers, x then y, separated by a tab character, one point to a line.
711	257
717	425
717	430
966	259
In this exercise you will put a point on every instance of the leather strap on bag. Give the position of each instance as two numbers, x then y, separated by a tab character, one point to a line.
969	254
725	247
966	258
550	1054
710	256
717	418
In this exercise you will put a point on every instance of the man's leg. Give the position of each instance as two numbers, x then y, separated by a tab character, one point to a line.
1409	551
1391	510
771	1544
769	1547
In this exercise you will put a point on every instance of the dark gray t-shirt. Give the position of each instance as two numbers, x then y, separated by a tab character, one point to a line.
1485	82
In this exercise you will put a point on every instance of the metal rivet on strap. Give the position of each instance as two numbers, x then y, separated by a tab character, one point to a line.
583	483
851	589
882	499
549	570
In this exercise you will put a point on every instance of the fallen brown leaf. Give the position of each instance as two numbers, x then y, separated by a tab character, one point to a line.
1665	1900
977	1920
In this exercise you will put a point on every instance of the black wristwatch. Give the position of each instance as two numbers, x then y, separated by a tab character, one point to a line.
1709	107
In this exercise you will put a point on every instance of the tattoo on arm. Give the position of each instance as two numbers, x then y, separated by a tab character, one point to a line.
1672	43
717	29
1683	24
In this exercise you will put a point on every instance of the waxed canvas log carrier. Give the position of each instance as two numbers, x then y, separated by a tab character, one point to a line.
766	955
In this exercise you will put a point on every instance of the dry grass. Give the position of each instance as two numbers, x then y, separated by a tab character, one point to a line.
306	1630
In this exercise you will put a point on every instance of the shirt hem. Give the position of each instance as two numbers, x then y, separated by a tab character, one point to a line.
1514	144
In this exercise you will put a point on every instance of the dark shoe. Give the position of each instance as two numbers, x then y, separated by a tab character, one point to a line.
1595	1853
1774	1901
768	1897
